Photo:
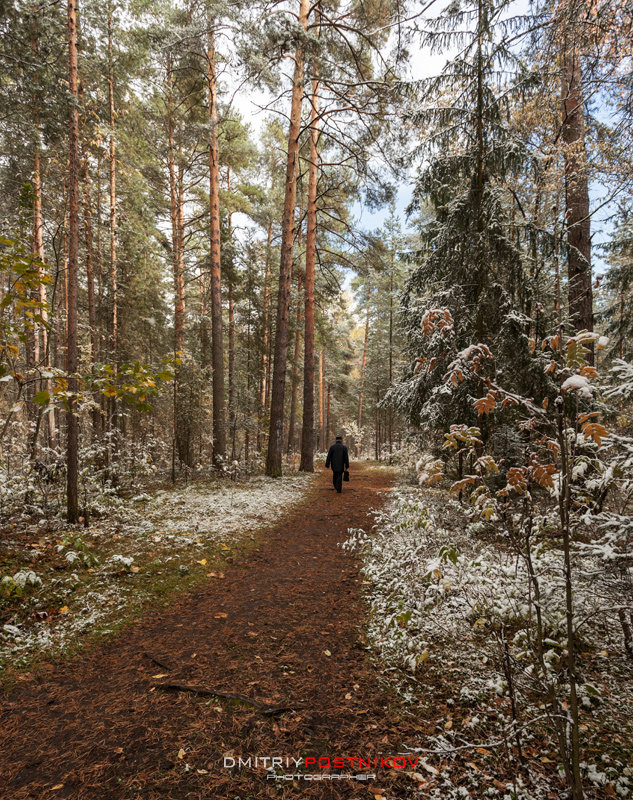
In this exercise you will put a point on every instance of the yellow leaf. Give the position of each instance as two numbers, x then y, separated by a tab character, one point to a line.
202	561
181	754
57	786
221	615
423	656
448	725
63	610
161	675
327	653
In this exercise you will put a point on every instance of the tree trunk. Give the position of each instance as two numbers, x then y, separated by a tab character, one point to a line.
114	340
72	492
38	250
275	436
576	193
265	321
231	324
307	433
99	264
363	366
90	281
295	371
390	423
217	344
321	401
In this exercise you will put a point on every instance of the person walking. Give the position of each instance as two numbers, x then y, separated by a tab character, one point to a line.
338	460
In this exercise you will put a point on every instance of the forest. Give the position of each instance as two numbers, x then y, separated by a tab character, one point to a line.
231	232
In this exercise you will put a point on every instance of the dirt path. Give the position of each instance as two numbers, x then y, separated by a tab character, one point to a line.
282	629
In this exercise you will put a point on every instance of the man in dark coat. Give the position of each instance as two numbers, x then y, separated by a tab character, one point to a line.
338	459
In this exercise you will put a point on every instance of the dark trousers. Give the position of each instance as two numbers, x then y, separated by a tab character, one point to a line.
337	480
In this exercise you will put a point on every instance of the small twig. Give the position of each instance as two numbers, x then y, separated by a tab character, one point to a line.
158	661
205	691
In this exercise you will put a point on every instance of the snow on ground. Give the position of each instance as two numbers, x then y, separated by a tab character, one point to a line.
444	594
66	584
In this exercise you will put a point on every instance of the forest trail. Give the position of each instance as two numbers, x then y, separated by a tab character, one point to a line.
282	629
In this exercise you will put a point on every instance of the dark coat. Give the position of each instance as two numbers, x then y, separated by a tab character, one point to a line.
337	457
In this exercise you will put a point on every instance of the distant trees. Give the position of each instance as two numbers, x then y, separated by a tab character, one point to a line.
176	238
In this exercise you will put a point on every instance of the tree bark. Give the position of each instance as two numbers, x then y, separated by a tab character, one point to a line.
72	494
321	401
90	281
231	323
275	436
38	251
307	433
363	366
114	288
577	216
295	371
217	343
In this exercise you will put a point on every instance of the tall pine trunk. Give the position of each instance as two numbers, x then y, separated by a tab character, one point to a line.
217	344
295	371
90	282
232	416
577	216
72	494
275	435
363	368
38	251
307	432
114	277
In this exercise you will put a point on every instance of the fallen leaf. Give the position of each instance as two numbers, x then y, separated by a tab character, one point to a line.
327	653
57	786
429	768
161	675
202	561
348	696
252	633
448	725
135	569
221	615
202	771
63	610
181	754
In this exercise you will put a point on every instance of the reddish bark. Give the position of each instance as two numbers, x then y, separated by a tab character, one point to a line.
72	499
307	433
577	216
217	344
275	436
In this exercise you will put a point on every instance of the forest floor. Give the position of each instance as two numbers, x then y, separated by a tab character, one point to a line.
282	630
278	655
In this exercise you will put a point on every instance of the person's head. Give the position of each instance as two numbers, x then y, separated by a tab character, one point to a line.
339	438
